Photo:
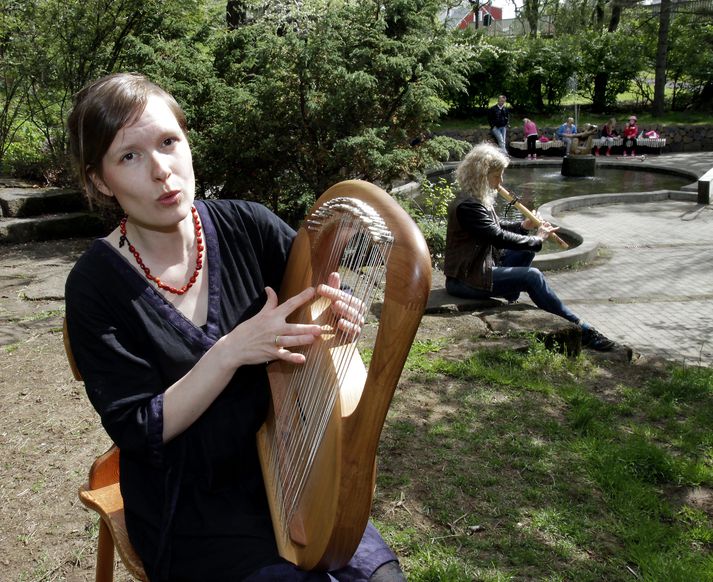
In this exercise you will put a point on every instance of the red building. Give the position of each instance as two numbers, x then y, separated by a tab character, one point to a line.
486	15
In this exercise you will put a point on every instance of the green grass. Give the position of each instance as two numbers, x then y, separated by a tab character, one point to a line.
509	465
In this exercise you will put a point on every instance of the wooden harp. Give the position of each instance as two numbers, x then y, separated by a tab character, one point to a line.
318	445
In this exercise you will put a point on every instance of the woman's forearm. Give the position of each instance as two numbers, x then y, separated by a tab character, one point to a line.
187	399
254	341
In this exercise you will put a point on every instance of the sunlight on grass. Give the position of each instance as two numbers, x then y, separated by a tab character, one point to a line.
418	358
527	470
529	370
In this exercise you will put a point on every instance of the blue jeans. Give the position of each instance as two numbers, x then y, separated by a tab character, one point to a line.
512	277
499	133
567	144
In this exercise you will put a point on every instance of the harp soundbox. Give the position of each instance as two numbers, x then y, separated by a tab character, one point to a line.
318	445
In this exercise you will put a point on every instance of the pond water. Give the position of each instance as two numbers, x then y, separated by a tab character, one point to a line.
536	186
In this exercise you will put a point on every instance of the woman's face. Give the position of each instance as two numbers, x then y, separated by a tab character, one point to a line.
148	168
495	178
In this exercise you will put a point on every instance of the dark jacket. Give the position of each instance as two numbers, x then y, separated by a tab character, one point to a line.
606	132
498	116
474	238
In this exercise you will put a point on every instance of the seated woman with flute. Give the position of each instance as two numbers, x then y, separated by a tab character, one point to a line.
487	257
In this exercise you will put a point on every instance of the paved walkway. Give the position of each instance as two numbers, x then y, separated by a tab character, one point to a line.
652	285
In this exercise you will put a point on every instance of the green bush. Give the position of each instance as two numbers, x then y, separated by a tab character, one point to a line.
26	158
429	211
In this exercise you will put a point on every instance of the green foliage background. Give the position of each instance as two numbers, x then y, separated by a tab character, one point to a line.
286	98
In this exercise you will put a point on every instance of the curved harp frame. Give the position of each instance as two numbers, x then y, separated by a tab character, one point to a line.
335	503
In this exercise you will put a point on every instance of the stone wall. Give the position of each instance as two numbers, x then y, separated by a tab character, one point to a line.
679	138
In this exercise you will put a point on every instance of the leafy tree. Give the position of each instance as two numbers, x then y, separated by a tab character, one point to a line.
691	62
13	82
75	41
603	54
661	56
601	79
542	70
329	91
532	10
601	19
491	69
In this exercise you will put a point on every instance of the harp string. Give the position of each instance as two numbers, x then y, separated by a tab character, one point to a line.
313	387
317	394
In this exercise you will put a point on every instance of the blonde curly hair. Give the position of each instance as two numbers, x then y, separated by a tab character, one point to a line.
472	172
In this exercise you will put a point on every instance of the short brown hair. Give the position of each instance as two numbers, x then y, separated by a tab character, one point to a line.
100	110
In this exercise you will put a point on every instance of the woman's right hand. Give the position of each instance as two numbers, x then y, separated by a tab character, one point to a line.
545	230
268	336
265	337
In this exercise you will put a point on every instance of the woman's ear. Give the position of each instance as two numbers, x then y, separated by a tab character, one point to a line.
99	183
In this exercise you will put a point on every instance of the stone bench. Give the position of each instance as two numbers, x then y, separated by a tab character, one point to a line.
501	318
647	142
440	301
540	145
653	143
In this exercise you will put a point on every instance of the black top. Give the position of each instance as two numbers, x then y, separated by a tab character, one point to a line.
474	238
498	116
198	501
485	227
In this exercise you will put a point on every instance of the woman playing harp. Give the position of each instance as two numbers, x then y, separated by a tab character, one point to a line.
171	318
487	257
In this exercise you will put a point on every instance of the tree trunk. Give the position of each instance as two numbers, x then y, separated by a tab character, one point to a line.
236	13
531	8
615	17
599	99
661	53
535	88
475	8
705	99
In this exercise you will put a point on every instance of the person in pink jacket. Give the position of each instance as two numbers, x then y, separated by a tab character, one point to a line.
529	130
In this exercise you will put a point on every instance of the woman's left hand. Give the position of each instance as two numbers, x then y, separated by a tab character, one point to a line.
349	309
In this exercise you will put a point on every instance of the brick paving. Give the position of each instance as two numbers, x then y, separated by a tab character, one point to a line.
651	287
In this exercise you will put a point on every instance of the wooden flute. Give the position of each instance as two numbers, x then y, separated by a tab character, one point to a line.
528	214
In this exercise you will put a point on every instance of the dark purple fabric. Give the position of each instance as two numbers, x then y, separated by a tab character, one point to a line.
370	555
155	430
195	507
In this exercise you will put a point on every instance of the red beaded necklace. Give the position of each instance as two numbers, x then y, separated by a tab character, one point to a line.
199	256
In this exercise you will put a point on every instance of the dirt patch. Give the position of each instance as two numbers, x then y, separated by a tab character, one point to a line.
49	434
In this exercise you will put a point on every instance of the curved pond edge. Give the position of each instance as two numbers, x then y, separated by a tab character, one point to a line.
586	249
